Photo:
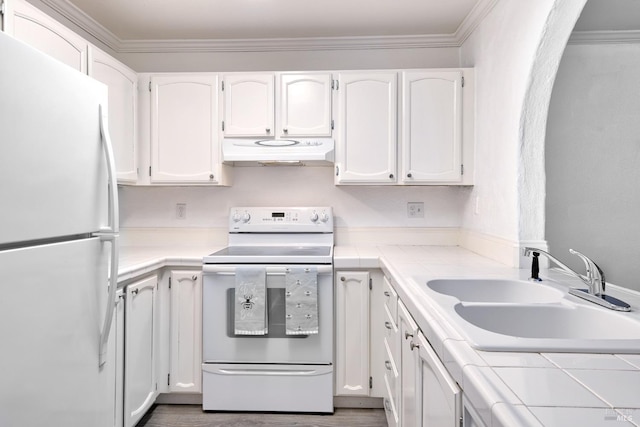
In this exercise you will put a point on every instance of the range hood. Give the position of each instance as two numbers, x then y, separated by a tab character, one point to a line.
278	152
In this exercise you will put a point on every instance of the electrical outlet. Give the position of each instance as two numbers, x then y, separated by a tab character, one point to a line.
181	211
415	209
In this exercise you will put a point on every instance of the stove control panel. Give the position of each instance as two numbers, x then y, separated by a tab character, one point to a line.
281	219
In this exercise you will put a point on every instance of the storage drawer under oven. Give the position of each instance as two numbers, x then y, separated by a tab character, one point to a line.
222	345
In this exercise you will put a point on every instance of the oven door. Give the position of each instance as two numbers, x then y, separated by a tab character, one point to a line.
222	345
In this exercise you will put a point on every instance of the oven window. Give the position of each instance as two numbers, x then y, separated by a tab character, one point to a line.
275	315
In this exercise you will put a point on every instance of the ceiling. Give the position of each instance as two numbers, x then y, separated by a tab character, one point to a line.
250	19
137	24
147	25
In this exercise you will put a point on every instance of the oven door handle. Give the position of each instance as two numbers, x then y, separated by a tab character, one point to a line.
270	372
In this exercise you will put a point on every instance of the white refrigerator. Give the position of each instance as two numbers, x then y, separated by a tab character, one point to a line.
58	244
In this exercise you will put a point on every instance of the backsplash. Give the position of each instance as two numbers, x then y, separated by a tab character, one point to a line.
354	206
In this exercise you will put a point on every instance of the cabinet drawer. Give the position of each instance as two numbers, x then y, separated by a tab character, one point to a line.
390	407
390	299
392	336
391	373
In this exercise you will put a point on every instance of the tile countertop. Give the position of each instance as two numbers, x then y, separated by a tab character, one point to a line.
135	261
507	388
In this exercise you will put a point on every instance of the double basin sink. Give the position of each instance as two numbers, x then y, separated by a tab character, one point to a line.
520	315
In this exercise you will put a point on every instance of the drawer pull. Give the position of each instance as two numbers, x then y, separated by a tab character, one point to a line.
387	325
387	364
413	345
407	335
387	294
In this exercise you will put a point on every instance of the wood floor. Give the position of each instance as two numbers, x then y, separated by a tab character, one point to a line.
193	416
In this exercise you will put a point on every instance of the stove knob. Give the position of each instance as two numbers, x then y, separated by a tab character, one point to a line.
314	216
246	217
236	217
324	217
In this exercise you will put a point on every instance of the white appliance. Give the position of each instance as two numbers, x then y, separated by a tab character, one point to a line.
278	152
58	248
274	370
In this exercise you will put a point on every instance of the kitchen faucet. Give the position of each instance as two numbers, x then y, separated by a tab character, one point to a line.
594	279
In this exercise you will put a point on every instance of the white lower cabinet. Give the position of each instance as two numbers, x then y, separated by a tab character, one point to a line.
141	317
470	417
420	392
409	403
438	394
352	333
115	359
185	344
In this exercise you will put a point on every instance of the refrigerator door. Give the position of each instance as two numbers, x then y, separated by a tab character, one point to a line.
52	163
51	312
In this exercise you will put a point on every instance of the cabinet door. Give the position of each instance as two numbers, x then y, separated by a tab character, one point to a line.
140	389
123	100
186	331
184	139
305	105
49	36
431	126
352	333
115	360
249	105
366	143
439	395
409	409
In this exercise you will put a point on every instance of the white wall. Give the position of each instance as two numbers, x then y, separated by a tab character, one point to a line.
292	60
515	52
502	50
291	186
593	160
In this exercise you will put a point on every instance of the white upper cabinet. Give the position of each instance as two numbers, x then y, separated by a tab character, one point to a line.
305	105
123	98
249	105
366	119
184	139
39	30
431	142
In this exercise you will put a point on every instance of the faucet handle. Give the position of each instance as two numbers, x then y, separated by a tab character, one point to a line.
594	275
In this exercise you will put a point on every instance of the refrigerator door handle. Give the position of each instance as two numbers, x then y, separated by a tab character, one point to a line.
110	234
114	219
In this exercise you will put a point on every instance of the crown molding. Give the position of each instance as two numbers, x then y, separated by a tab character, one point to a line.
83	21
473	19
605	37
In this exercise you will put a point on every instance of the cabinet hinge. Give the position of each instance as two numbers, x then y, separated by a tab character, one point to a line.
370	283
223	126
149	170
334	84
149	85
222	85
168	379
169	282
3	8
461	169
462	81
331	124
370	382
337	170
